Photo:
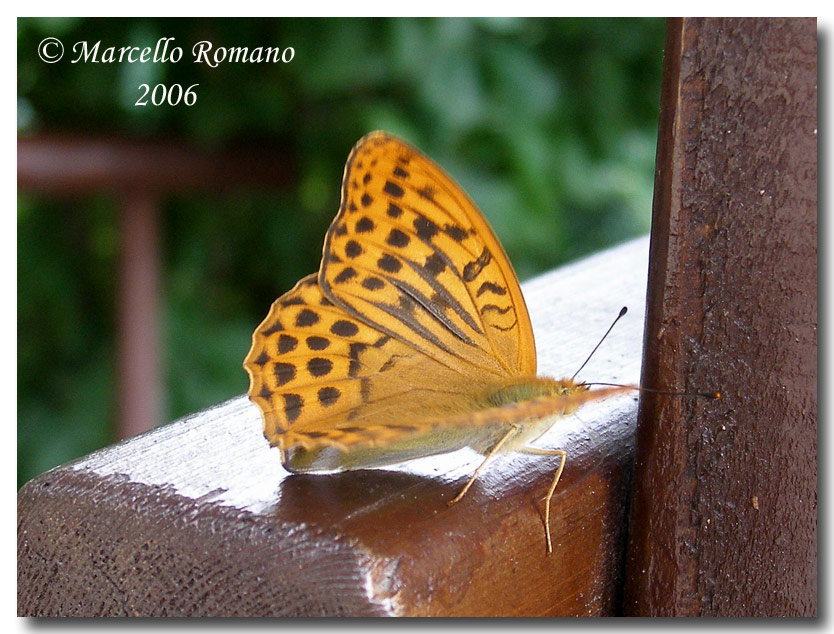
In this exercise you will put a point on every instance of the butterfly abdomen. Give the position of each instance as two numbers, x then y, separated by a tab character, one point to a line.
393	445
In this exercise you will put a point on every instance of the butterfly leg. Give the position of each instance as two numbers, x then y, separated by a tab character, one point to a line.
549	452
513	429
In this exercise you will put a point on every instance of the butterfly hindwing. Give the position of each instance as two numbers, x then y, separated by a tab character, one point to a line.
321	376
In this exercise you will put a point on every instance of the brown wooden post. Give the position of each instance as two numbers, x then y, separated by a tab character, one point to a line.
140	388
724	512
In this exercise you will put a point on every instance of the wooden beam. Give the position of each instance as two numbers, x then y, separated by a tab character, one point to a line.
73	165
199	518
725	499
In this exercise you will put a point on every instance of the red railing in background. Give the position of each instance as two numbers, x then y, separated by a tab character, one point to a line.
140	174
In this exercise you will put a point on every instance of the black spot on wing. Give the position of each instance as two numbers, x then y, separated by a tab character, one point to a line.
474	268
352	430
489	287
292	406
354	351
306	318
364	225
318	366
286	344
273	328
394	211
344	328
389	264
373	283
392	189
390	363
496	309
353	249
284	373
425	228
317	343
455	233
346	274
434	265
328	396
427	192
505	328
365	389
398	239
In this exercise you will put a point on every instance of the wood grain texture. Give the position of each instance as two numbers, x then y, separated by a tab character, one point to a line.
725	501
198	517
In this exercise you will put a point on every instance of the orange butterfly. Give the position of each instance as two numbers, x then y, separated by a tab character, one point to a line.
413	338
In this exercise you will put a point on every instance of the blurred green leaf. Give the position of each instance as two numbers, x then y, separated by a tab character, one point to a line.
549	124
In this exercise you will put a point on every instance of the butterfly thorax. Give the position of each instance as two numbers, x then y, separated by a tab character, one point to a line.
528	388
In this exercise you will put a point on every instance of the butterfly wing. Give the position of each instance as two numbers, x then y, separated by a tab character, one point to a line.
323	377
410	254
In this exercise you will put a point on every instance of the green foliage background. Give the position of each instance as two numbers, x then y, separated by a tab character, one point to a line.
549	124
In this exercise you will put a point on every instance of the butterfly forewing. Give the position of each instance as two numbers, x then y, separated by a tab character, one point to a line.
410	254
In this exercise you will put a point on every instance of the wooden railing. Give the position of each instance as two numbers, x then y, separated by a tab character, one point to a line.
139	175
199	518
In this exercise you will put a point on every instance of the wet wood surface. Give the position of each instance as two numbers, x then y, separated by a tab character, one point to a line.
199	518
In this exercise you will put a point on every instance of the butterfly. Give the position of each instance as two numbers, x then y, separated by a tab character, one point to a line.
412	339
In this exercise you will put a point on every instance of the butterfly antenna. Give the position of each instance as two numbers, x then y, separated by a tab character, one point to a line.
623	311
639	388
